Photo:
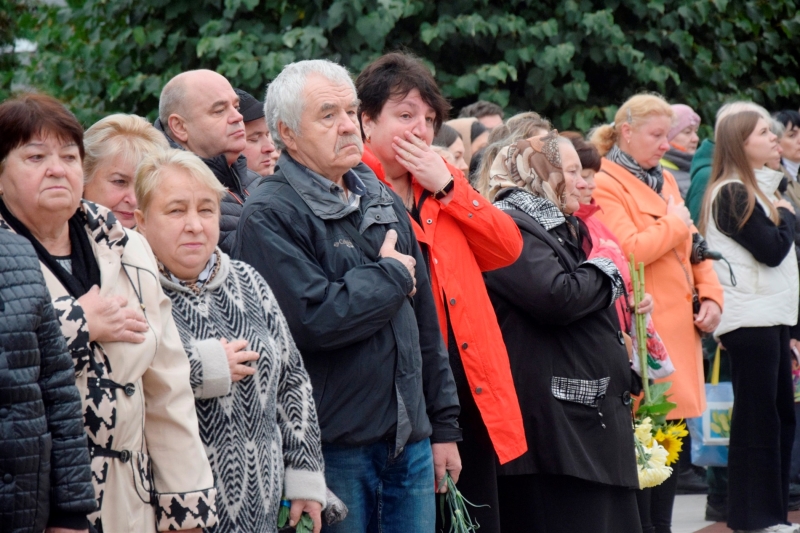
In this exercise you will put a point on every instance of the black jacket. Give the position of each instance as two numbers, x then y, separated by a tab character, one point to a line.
237	178
45	473
364	342
559	326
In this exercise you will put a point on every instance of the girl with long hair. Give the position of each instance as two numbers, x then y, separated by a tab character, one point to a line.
753	228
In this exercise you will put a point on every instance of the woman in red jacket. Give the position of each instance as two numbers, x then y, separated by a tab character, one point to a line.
462	235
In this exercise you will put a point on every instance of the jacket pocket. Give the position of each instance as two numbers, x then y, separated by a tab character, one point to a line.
587	392
43	482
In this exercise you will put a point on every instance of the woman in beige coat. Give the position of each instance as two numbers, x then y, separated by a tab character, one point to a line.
150	471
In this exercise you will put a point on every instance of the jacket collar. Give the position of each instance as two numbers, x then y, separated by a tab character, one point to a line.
768	180
646	199
231	176
320	199
586	211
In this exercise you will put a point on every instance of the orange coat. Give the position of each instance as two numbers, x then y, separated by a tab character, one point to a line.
638	217
464	238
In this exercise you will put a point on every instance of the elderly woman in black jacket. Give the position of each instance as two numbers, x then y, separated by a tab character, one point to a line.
567	353
45	476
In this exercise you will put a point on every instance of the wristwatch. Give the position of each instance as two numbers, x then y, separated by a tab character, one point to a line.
444	191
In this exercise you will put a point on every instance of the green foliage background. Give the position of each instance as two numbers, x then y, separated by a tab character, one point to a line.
571	60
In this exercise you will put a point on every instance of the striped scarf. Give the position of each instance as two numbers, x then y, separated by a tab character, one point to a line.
653	178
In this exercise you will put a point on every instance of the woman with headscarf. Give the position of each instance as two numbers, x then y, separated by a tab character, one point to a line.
683	141
567	353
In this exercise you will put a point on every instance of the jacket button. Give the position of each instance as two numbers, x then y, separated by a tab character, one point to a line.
475	203
469	215
435	261
621	338
452	301
464	346
130	389
8	478
377	217
626	398
429	221
478	390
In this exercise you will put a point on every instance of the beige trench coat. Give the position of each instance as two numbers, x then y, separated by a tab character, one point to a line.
137	399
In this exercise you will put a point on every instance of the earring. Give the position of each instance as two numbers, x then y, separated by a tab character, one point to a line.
369	138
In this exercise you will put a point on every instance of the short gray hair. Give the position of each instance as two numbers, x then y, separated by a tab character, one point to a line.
284	99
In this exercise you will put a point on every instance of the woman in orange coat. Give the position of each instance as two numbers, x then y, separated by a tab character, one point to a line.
642	206
462	235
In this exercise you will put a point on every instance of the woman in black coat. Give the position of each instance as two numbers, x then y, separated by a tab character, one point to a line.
567	354
45	476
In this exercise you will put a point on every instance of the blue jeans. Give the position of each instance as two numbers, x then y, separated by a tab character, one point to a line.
383	494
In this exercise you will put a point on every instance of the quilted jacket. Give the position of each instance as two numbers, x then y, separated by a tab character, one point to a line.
44	458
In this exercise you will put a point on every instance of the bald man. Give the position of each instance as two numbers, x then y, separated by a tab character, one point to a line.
199	111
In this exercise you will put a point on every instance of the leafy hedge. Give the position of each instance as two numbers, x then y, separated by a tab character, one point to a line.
572	60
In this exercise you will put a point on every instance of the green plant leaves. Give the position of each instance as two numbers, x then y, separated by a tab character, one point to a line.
573	61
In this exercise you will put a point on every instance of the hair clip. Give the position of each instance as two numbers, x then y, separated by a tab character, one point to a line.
630	117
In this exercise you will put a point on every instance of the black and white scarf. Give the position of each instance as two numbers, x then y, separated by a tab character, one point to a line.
653	178
549	216
538	208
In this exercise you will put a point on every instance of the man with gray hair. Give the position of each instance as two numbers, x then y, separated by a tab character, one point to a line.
198	111
338	251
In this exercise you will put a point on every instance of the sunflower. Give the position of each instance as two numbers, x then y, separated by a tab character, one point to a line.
671	438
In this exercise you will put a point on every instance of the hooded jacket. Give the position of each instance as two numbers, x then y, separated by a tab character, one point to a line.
236	178
375	356
699	173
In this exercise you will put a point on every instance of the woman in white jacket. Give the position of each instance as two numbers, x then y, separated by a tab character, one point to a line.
754	229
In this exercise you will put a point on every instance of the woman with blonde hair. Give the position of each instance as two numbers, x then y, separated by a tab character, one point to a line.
744	219
642	206
115	145
257	417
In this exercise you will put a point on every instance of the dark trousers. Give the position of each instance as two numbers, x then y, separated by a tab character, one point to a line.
655	504
762	426
544	503
478	480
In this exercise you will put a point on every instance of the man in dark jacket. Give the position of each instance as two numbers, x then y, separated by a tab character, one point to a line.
199	111
338	251
45	473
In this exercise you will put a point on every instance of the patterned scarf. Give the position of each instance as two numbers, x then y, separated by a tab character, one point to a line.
538	208
653	178
196	286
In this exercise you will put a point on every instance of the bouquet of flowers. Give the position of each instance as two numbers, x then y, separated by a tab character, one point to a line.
657	441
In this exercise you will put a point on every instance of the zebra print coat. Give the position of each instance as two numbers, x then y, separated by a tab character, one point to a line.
261	433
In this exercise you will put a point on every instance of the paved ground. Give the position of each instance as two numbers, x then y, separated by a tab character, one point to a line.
688	513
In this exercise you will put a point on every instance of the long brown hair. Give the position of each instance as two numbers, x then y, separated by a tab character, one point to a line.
730	161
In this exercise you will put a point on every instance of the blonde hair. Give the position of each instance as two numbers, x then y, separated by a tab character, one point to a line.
130	136
151	172
634	111
521	126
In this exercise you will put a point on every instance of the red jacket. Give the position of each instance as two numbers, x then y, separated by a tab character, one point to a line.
466	237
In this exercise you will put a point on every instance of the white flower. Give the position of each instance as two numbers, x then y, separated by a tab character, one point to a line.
651	463
644	432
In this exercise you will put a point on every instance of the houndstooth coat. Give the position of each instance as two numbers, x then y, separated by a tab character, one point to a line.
149	469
